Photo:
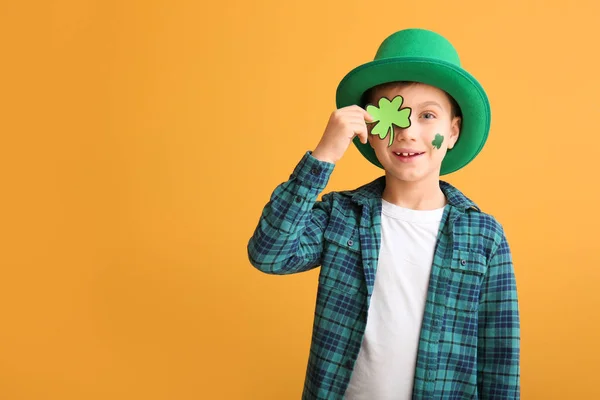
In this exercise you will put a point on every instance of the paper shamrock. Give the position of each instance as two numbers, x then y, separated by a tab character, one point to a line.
387	115
437	142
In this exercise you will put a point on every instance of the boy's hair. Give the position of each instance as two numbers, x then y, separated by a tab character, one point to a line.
367	97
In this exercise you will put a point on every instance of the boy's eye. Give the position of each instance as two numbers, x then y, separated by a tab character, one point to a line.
428	115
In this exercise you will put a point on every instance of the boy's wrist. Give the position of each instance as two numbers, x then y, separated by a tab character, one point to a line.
319	155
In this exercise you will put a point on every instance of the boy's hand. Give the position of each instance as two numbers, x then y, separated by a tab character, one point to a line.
343	125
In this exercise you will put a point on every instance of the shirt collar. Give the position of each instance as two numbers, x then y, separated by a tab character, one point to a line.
374	191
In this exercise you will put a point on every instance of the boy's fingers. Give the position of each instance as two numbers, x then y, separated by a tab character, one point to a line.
359	112
360	130
358	126
363	137
359	119
364	115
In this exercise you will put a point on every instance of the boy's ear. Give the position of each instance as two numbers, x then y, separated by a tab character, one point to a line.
454	131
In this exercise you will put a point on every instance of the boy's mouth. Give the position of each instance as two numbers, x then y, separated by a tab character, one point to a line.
407	156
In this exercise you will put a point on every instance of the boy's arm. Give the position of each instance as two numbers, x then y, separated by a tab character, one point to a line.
289	235
499	329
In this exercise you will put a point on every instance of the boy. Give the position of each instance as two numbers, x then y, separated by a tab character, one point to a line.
417	294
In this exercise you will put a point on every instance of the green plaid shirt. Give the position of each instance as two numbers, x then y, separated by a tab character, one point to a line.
470	335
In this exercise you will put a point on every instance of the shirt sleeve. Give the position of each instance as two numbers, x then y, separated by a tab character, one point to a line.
499	329
289	235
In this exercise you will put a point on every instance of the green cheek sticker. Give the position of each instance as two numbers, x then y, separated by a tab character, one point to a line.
387	115
437	142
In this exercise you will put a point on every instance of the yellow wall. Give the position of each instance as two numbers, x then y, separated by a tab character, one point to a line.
141	139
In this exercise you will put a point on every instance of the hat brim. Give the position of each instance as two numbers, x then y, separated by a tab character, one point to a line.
457	82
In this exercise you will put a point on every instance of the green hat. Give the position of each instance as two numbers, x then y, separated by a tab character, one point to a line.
424	56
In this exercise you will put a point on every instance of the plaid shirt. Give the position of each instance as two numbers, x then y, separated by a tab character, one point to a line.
469	344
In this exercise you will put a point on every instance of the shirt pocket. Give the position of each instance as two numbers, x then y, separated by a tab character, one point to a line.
341	266
466	276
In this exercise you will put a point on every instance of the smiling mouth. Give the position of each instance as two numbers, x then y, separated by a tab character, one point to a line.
407	154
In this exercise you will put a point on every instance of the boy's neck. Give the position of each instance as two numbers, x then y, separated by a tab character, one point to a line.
422	195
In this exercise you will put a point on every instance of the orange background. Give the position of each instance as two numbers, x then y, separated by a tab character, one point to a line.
141	139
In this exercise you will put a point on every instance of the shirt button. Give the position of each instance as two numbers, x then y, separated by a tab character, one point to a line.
297	199
463	262
315	171
350	242
430	375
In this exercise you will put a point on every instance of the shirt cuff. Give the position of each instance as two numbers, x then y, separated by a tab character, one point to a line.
312	172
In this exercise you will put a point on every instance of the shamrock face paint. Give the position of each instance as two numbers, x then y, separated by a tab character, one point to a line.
437	142
387	115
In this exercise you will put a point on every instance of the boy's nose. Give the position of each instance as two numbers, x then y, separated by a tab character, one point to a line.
404	133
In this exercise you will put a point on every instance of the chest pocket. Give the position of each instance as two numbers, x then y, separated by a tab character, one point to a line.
466	276
341	267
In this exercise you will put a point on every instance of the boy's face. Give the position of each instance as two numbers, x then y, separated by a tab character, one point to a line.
431	133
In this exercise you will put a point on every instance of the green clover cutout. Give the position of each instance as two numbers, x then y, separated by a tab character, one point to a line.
387	115
437	142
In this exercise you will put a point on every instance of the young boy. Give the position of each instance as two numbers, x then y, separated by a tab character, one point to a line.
417	295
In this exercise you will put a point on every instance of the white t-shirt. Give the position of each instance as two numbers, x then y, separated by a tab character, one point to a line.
386	361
